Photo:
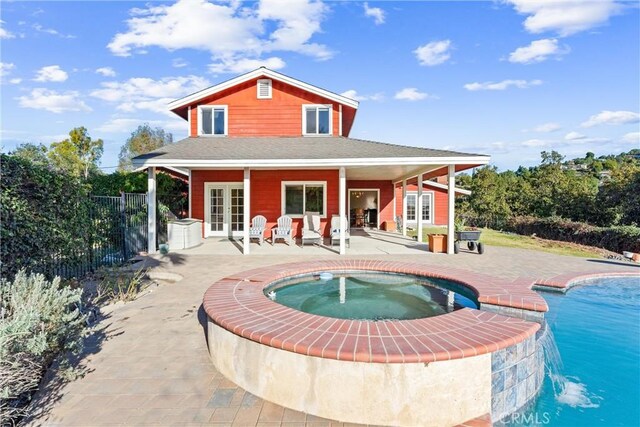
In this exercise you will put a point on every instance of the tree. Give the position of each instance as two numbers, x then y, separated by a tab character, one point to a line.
36	154
142	140
78	154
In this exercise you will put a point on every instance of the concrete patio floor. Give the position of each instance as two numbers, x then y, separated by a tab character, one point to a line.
363	242
146	362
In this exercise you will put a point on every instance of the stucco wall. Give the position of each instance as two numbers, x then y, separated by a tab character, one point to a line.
439	394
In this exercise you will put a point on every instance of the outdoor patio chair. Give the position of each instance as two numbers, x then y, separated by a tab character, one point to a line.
283	230
311	228
258	224
335	230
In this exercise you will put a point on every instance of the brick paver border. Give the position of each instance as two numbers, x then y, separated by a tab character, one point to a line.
238	304
564	282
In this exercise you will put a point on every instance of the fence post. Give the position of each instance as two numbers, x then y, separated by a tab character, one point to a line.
123	225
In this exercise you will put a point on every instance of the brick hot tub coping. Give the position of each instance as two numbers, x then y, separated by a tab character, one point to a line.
238	304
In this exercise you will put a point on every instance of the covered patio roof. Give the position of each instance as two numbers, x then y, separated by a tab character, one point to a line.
362	159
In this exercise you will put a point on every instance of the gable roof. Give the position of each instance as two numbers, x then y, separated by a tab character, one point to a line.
296	151
262	72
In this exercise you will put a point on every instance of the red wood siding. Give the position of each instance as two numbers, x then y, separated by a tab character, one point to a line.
440	205
266	189
279	116
385	204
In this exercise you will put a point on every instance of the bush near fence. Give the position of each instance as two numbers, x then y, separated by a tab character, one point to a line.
616	238
44	216
51	225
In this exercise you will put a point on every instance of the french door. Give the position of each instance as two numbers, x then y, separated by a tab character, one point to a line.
224	209
427	211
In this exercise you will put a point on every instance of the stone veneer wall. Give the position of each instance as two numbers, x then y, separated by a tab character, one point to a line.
517	373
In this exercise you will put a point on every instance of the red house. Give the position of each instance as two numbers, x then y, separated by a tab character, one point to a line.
264	143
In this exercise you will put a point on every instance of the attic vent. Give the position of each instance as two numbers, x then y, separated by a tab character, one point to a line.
264	89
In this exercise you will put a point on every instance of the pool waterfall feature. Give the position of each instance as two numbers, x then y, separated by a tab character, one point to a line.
439	370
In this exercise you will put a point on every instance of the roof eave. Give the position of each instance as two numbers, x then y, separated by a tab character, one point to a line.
301	163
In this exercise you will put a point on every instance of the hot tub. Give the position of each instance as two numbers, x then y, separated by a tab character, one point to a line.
424	370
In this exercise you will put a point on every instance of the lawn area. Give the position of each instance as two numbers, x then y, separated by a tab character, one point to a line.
498	238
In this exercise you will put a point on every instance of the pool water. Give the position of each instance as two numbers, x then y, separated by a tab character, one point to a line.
372	296
597	333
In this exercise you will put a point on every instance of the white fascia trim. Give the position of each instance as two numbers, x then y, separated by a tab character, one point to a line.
181	171
446	187
385	161
190	99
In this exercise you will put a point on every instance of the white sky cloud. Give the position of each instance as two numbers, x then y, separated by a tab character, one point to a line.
51	73
5	68
39	28
15	81
376	13
411	94
612	118
573	136
433	53
505	84
179	63
238	34
242	65
632	137
538	51
55	102
143	93
536	143
564	17
547	127
126	125
106	71
4	33
353	94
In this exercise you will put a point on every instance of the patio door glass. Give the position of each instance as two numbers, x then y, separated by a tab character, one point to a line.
224	210
237	209
216	210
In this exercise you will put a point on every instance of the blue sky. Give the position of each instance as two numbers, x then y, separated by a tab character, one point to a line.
507	78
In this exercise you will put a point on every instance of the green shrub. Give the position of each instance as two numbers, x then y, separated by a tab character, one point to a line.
616	238
39	321
44	218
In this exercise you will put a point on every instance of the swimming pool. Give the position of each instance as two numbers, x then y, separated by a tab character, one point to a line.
597	332
371	295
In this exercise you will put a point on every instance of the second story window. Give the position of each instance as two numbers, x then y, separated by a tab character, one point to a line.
316	120
213	120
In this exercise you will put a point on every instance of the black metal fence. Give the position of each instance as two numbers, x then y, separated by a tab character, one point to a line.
116	232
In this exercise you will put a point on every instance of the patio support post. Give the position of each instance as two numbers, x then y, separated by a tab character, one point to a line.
451	199
190	179
246	241
151	210
404	207
342	209
419	208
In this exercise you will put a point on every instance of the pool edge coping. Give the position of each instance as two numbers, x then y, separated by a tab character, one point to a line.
238	304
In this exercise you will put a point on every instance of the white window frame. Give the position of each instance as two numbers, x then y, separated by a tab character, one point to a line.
270	88
212	107
283	197
431	194
304	119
